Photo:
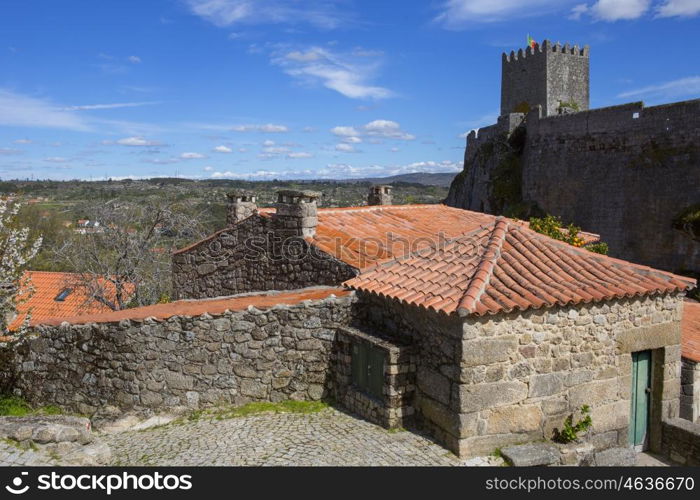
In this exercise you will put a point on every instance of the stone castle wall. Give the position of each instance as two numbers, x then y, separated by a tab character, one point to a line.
252	256
237	357
623	172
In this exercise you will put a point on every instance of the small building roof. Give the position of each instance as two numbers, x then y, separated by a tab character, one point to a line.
53	296
505	266
690	327
219	305
364	236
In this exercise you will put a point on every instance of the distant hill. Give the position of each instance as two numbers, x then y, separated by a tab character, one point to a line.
427	179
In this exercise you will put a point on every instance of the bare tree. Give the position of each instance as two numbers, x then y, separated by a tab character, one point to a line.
124	260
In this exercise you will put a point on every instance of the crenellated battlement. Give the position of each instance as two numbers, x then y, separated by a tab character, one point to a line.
546	47
550	75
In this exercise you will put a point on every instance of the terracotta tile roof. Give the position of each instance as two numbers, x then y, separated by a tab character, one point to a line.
503	266
198	307
690	327
364	236
43	304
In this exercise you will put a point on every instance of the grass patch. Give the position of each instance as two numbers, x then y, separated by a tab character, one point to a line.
14	406
396	430
250	409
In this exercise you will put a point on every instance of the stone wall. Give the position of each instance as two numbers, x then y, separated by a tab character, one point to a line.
690	390
522	374
681	441
435	339
254	355
250	257
395	407
624	172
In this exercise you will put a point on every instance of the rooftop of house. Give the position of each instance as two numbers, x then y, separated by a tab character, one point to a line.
365	236
690	327
219	305
504	266
50	295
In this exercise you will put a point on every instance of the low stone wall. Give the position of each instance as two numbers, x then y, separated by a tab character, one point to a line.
394	408
237	357
681	441
690	390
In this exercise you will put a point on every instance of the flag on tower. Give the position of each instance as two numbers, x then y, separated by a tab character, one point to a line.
530	41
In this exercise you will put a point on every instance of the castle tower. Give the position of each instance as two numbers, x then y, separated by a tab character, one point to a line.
551	75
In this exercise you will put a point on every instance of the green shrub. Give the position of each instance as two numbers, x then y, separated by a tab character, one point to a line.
570	430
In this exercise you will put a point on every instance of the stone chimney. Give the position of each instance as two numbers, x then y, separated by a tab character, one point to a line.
241	205
379	195
296	213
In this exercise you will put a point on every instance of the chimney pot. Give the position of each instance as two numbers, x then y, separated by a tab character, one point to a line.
296	212
241	205
379	195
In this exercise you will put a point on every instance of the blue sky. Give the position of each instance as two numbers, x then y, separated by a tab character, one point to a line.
299	89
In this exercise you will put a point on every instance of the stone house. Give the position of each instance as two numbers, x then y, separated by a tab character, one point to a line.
475	328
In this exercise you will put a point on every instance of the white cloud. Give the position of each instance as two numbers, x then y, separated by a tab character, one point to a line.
137	141
345	148
56	159
268	143
8	151
268	128
615	10
458	13
578	11
688	86
208	169
376	130
299	155
17	110
109	106
134	59
319	13
344	131
682	8
223	149
275	150
387	128
192	156
349	74
22	141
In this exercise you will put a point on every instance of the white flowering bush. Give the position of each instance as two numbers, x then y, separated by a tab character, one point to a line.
16	250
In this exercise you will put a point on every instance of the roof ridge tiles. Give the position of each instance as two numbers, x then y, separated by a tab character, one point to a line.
484	270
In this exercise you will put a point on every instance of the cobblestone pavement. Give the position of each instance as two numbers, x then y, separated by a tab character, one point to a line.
13	455
328	437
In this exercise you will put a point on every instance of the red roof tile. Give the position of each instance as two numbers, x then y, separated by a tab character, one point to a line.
364	236
198	307
505	266
43	304
690	327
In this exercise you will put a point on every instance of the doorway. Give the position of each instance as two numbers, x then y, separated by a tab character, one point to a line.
641	400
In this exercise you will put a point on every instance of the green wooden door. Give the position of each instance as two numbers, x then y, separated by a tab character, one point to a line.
641	396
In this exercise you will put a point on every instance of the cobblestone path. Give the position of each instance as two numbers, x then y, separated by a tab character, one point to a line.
328	437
